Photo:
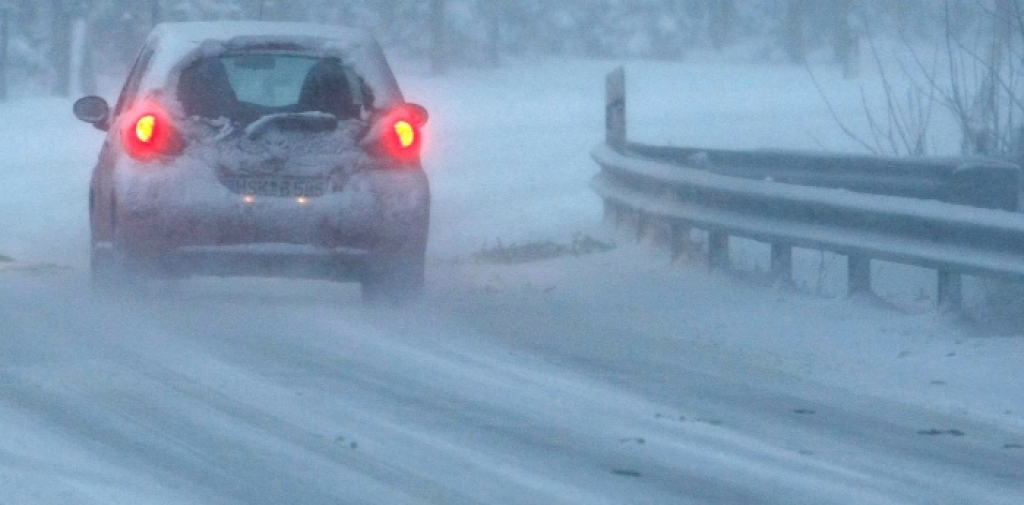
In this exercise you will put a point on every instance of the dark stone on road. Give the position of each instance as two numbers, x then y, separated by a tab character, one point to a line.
933	431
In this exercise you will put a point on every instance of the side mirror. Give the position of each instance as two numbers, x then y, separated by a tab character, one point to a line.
93	110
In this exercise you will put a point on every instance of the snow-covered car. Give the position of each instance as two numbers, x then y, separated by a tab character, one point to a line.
260	149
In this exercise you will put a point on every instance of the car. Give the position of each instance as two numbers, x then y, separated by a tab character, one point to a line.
264	149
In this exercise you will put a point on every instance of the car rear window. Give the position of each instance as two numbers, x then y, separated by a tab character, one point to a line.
247	86
272	81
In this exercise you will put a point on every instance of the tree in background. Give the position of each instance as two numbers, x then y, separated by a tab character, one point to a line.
484	32
966	61
989	124
846	38
495	13
438	37
793	31
60	47
721	17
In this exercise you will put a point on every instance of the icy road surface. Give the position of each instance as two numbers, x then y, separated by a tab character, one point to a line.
259	393
612	378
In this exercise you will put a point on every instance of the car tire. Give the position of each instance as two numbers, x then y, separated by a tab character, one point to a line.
107	270
392	280
113	270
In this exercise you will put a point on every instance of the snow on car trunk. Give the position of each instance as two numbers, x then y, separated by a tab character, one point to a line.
296	154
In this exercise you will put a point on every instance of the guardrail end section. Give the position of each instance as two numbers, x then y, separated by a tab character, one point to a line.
615	108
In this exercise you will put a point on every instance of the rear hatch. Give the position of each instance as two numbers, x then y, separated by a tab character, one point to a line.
275	124
289	155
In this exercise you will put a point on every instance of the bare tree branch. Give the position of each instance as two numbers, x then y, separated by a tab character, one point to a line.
835	117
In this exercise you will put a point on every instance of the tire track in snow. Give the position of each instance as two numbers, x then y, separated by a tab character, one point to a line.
399	373
240	404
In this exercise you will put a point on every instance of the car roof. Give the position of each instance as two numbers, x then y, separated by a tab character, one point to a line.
177	44
199	31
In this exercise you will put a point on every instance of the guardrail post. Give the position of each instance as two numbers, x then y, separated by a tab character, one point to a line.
858	274
679	242
611	214
782	262
629	221
655	231
615	109
643	222
950	291
718	249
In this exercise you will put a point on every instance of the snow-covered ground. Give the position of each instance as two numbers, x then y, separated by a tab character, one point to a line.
615	377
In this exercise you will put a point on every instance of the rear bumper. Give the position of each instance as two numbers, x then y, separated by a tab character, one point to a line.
377	212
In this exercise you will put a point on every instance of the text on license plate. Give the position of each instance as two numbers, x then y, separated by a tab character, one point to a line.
277	186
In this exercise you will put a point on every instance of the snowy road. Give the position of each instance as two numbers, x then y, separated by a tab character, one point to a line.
609	378
238	392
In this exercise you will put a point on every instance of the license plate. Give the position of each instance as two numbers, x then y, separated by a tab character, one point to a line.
277	186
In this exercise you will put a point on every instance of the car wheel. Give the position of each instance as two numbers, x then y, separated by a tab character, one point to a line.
393	280
113	270
108	272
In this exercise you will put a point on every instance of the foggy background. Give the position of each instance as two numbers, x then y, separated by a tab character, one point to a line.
46	35
952	58
616	377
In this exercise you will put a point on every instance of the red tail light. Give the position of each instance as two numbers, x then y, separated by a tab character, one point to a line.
397	133
148	133
401	139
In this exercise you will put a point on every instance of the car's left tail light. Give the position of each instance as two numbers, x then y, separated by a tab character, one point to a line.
148	133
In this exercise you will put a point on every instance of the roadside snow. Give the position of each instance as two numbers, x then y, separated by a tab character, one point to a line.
508	169
865	345
607	376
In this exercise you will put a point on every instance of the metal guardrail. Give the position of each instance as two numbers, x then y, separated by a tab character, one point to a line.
974	181
805	200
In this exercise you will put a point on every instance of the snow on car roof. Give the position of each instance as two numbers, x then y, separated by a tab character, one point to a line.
199	31
177	44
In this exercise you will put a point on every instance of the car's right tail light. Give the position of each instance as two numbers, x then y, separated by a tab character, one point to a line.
148	133
397	133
